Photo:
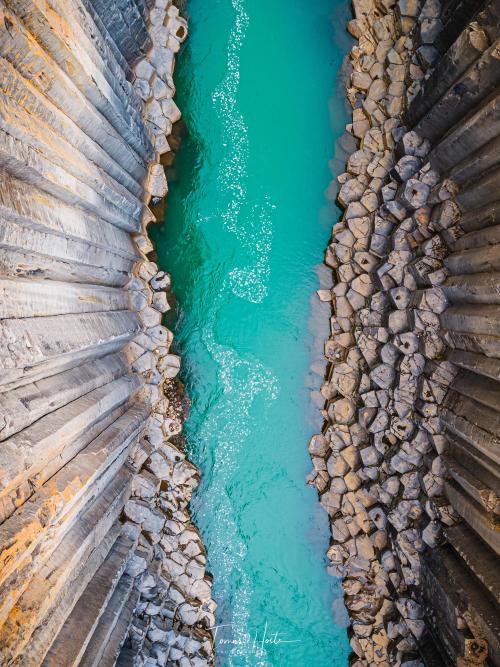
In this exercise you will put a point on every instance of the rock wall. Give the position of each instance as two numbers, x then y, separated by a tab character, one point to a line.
407	465
99	562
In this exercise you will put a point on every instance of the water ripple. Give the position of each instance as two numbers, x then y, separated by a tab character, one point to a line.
254	230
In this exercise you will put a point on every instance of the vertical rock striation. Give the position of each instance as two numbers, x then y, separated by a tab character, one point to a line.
407	465
99	562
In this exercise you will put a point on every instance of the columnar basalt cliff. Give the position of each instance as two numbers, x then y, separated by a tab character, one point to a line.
407	466
99	563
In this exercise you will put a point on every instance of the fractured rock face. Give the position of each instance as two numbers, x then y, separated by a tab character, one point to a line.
411	260
93	498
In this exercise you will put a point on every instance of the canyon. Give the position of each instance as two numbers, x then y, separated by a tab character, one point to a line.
101	562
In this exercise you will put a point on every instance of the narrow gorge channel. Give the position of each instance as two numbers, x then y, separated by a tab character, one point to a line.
247	222
328	259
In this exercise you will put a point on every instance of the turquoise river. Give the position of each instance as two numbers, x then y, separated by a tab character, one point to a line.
247	222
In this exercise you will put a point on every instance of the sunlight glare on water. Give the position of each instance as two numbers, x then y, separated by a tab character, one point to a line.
246	226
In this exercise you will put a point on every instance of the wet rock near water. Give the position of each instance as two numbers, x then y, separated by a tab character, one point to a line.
173	619
176	610
383	486
100	563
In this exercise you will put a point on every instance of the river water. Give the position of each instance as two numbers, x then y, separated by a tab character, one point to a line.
246	225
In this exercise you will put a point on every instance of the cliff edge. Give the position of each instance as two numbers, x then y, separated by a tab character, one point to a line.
99	562
407	465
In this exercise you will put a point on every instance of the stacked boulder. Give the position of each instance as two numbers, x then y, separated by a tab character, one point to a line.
175	613
377	464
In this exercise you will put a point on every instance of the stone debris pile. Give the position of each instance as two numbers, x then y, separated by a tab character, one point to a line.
175	613
378	464
154	85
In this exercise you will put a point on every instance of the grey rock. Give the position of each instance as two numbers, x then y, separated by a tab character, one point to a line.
414	194
406	167
370	456
407	343
351	191
430	29
383	376
427	55
160	281
380	422
398	321
409	7
401	297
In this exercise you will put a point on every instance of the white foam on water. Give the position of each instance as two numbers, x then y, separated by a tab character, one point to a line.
254	230
226	427
228	423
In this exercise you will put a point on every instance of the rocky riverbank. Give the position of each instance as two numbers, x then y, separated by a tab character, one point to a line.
175	611
379	464
99	561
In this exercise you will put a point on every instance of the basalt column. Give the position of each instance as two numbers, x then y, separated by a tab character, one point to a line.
99	563
408	463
